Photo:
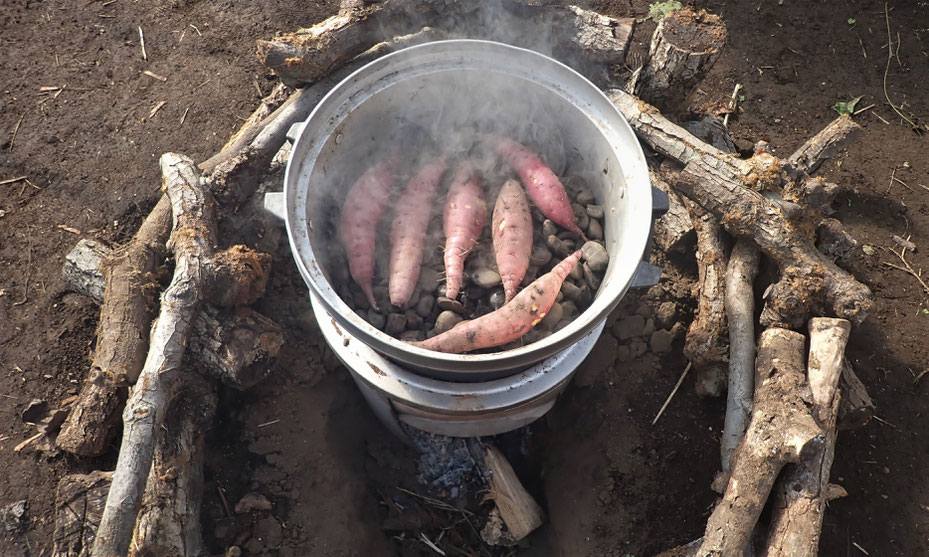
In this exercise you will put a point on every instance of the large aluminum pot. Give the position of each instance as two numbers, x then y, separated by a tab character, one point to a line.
429	84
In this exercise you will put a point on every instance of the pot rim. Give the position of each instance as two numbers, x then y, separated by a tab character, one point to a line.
595	106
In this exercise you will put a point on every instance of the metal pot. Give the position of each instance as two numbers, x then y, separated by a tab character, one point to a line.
356	119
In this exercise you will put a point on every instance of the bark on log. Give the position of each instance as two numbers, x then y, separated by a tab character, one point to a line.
855	406
169	520
192	241
740	310
675	226
128	307
311	54
797	515
519	510
823	146
239	346
780	431
684	47
79	502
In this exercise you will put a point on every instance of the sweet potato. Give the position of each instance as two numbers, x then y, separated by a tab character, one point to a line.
511	321
408	232
463	219
363	207
544	187
512	235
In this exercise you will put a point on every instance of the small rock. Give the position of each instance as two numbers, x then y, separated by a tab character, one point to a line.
568	236
638	348
562	324
558	247
594	211
593	281
269	531
574	183
585	296
413	320
630	327
549	229
537	215
540	256
497	298
559	297
376	319
360	300
13	517
485	278
554	315
580	216
661	341
534	335
429	279
643	309
594	230
396	322
649	327
233	551
382	296
446	320
569	309
623	354
252	502
254	546
570	291
414	297
35	411
577	273
425	305
474	292
585	197
412	336
666	314
596	256
450	305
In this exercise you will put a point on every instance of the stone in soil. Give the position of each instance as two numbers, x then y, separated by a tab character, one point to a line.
666	314
558	246
596	256
649	327
376	319
594	230
252	501
450	305
13	517
425	305
269	531
594	211
554	315
629	327
485	278
623	353
446	320
540	256
396	322
661	341
497	298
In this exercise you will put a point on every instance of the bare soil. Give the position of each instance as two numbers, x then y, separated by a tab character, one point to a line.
611	483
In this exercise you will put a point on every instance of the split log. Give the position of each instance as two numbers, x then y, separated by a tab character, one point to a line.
725	186
797	514
518	509
129	300
780	432
740	310
675	226
169	520
684	47
239	346
311	54
824	146
855	406
192	241
79	502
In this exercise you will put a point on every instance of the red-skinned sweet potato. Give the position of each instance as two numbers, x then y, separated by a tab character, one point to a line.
512	235
463	219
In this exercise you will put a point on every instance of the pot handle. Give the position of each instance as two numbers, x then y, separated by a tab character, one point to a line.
274	204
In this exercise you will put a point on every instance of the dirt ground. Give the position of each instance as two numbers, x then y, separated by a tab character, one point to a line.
612	484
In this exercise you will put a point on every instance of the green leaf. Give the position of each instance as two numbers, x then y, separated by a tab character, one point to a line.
851	21
657	10
846	107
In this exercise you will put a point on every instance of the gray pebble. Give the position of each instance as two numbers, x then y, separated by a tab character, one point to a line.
382	296
497	298
592	279
537	215
360	300
666	314
534	335
531	273
661	341
412	336
577	273
396	323
446	320
552	318
580	216
585	197
429	279
558	246
574	183
562	324
540	256
549	228
485	278
585	296
596	255
649	327
594	230
413	320
376	319
595	211
559	297
568	237
414	297
450	305
570	291
425	305
569	309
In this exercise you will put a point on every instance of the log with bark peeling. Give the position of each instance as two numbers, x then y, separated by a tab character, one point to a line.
311	54
672	229
79	502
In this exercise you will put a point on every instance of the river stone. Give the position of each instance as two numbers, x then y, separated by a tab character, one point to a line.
594	230
485	278
558	246
577	272
570	291
376	319
569	309
580	216
429	279
549	228
554	315
585	197
425	305
596	256
446	320
497	298
594	211
585	296
396	323
412	336
593	281
450	304
539	256
413	320
661	340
